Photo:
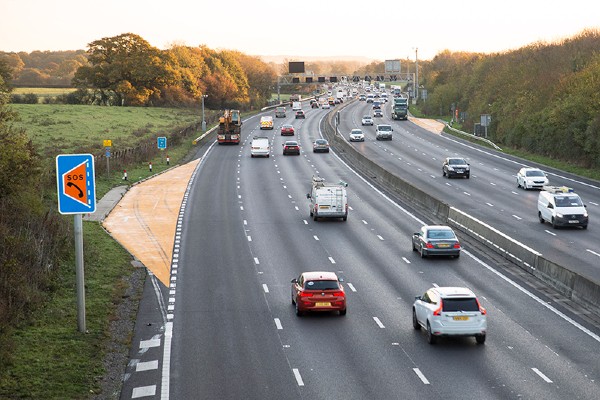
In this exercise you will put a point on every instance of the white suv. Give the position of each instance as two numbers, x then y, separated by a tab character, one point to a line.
450	311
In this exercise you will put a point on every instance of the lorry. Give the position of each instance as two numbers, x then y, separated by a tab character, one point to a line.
400	108
230	127
327	200
295	97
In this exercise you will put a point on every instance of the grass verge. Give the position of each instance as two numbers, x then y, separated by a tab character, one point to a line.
52	359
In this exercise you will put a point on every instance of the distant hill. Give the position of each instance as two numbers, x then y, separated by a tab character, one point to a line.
282	58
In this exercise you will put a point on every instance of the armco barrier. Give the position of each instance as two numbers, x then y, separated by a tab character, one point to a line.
580	289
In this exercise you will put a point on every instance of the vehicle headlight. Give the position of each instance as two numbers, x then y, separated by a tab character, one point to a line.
585	214
559	215
450	168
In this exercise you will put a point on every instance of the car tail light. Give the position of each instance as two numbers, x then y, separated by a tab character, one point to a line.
338	294
429	245
438	311
481	309
457	245
305	294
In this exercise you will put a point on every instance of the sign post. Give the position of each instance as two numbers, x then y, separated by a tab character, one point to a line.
107	146
77	195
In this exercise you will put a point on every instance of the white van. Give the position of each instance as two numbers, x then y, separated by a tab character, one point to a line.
260	147
327	200
266	122
561	206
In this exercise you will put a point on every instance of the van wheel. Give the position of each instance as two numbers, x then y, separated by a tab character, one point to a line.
584	226
480	339
518	184
553	224
540	217
315	217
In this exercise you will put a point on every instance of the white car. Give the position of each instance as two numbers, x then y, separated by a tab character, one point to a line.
356	135
325	106
531	178
367	120
450	311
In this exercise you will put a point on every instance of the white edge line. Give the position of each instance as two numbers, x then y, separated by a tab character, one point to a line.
265	288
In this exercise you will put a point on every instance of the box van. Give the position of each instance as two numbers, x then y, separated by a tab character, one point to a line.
327	200
561	206
280	112
260	147
266	122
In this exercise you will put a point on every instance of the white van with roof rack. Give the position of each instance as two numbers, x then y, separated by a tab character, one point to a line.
561	206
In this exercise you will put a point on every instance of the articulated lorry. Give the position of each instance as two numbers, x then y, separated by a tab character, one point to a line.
327	200
230	127
400	108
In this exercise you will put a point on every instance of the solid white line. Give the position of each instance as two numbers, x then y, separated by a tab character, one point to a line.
517	217
298	377
146	366
380	238
315	236
544	377
332	260
421	376
534	297
265	288
351	286
278	324
547	231
166	370
256	261
143	391
378	322
406	260
593	252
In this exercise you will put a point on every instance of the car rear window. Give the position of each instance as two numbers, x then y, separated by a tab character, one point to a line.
321	285
460	304
442	234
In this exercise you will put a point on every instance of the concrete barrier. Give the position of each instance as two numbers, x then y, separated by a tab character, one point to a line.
581	290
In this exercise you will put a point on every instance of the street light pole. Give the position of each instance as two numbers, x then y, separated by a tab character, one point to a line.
417	73
203	120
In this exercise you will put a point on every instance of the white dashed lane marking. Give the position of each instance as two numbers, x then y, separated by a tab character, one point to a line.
351	286
421	376
541	375
298	377
278	324
265	288
378	322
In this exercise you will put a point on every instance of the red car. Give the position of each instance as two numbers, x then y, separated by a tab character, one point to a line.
318	291
291	147
287	130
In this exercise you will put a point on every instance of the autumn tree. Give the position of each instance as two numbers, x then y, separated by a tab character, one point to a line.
127	67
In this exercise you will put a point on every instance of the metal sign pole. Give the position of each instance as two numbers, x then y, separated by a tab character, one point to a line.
79	275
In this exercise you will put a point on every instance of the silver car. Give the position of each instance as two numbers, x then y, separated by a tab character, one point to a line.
367	120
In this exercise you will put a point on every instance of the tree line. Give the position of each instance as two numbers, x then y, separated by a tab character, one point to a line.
543	98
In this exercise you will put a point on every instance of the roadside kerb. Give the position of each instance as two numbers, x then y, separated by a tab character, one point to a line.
579	289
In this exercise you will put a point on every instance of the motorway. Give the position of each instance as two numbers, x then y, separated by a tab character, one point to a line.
491	194
247	232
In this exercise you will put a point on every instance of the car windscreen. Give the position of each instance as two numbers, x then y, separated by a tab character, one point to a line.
534	173
321	285
441	234
457	161
568	201
384	128
460	304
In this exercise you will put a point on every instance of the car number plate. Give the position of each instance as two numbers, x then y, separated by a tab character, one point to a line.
323	304
443	245
460	318
574	221
323	206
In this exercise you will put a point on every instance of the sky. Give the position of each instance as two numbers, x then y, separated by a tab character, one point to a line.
379	30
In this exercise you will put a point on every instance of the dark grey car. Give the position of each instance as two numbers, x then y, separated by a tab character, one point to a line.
456	166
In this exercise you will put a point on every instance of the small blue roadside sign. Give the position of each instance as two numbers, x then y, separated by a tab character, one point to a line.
161	142
76	183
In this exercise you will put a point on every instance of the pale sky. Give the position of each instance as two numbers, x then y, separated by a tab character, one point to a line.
379	30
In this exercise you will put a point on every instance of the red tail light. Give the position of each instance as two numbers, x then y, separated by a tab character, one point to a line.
457	245
429	245
339	294
438	312
482	310
305	294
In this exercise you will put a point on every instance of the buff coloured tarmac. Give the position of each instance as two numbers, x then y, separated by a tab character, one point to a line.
143	219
